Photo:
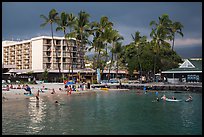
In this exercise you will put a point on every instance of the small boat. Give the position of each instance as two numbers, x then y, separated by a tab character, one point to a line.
173	100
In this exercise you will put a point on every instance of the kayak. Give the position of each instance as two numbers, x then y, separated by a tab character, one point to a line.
188	100
172	100
104	88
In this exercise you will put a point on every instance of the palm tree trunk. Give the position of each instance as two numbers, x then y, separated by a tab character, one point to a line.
140	68
117	66
98	58
154	66
55	50
67	49
173	43
71	53
110	67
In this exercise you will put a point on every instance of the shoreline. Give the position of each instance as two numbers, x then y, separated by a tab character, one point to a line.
19	93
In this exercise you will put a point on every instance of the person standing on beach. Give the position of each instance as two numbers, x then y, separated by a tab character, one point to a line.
53	91
38	94
69	89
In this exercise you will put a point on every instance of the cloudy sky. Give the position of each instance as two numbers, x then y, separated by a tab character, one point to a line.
21	20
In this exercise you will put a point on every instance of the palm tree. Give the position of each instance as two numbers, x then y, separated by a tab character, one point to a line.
80	32
52	18
71	20
176	27
117	51
62	26
114	37
138	41
101	35
160	33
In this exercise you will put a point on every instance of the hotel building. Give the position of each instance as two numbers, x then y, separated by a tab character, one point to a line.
40	53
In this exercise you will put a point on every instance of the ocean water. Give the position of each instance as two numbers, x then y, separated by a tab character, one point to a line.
104	113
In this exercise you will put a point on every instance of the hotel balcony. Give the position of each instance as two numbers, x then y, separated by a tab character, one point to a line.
5	54
12	49
26	62
47	60
46	48
11	59
66	54
12	53
47	42
47	54
18	52
25	52
6	49
58	54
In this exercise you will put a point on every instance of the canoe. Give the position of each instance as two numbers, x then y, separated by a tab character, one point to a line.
172	100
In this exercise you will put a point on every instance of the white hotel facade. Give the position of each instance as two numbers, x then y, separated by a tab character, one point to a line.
39	53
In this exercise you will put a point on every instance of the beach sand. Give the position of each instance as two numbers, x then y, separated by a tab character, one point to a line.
19	93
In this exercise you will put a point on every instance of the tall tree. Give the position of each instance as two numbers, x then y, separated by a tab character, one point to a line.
117	51
159	34
115	37
176	27
52	18
138	41
80	32
62	26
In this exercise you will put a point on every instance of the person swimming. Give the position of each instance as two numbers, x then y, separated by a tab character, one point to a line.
163	97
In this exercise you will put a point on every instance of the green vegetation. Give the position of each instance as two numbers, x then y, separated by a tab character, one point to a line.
148	57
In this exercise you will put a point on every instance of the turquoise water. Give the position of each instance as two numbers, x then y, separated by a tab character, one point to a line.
104	113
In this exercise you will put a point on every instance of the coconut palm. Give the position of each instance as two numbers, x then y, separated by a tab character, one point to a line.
138	41
52	18
117	51
176	27
160	33
80	32
62	26
114	37
71	19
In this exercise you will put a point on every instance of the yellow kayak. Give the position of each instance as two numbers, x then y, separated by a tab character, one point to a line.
104	88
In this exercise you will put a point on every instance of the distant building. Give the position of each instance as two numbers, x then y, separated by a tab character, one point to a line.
189	71
39	53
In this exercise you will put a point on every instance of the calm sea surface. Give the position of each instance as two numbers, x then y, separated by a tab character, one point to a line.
104	113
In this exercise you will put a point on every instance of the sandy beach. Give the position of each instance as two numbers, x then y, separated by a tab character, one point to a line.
48	88
19	93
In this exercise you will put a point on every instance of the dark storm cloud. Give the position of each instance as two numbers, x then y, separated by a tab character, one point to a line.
22	19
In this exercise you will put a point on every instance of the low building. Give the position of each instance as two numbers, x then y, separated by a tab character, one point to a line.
189	71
